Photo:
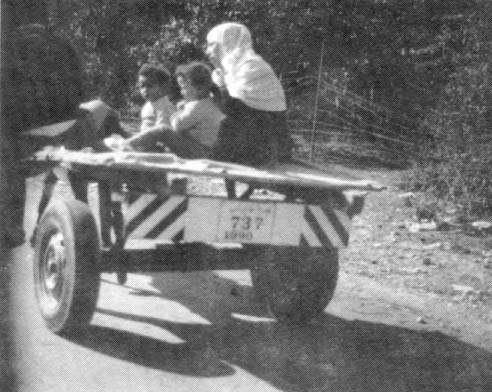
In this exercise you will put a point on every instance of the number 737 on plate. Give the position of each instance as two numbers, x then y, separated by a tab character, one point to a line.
246	222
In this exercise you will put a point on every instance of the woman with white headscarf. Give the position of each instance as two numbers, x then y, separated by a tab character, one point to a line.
254	131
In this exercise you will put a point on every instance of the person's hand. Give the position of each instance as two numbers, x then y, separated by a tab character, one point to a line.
218	77
115	142
179	107
126	146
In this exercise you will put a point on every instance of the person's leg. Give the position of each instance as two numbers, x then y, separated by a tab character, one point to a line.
48	187
230	141
182	146
148	142
79	187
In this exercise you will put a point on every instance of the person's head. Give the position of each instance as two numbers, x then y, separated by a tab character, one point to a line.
153	82
227	39
194	80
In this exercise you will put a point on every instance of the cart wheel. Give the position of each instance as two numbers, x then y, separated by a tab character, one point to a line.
296	285
66	275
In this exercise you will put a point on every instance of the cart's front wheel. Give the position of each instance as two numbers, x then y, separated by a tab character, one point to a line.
66	258
298	284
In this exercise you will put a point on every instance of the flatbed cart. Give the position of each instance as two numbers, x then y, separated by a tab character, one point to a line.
158	212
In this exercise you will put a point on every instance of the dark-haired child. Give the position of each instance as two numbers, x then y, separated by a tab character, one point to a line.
153	82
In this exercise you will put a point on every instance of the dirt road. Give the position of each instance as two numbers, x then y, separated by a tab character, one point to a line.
207	332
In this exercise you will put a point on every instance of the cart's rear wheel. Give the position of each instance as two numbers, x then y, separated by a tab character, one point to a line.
298	284
66	275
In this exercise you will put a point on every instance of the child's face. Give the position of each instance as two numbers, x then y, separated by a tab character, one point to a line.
150	91
188	91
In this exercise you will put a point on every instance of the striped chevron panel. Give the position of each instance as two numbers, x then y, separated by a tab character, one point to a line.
325	227
150	220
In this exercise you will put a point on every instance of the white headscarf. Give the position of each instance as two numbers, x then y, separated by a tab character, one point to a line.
247	76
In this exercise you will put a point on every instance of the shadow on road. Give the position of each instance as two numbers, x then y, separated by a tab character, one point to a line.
330	354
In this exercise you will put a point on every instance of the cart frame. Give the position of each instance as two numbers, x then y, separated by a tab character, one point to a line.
286	227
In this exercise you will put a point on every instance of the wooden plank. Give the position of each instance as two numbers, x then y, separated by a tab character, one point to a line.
291	175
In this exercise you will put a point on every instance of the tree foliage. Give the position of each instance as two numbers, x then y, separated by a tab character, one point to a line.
396	54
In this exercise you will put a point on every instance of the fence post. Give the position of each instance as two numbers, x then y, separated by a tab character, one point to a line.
315	113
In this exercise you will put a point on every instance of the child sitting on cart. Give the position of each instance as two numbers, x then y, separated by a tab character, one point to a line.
197	119
153	82
189	132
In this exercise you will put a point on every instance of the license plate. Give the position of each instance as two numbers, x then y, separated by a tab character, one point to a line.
245	222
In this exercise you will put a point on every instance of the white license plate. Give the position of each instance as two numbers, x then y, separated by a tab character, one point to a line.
246	222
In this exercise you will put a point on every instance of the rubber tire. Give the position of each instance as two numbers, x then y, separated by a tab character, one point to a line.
298	284
78	288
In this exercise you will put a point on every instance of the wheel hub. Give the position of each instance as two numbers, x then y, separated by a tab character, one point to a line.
54	262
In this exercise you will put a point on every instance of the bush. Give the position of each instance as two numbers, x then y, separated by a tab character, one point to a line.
462	180
456	166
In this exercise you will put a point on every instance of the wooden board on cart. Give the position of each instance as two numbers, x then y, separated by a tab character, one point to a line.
283	174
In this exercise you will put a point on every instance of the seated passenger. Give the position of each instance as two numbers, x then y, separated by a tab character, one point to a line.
153	82
254	131
198	118
189	132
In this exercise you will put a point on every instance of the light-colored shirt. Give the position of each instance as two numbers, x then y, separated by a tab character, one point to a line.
199	119
157	113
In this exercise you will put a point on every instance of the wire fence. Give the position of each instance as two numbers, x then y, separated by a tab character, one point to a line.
340	113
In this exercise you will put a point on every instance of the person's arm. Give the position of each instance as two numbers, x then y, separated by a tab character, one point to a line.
148	136
185	118
150	133
219	96
219	89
